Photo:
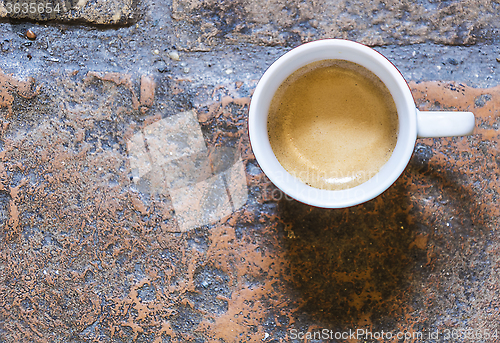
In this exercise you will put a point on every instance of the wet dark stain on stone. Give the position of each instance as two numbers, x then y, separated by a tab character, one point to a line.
349	263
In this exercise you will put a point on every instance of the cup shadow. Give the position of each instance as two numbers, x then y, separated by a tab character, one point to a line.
355	264
347	263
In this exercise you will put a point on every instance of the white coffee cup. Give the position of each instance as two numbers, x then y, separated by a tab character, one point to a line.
412	122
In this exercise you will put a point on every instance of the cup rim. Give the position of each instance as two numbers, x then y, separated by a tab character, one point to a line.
291	186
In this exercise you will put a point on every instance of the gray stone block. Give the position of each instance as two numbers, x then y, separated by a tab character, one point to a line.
91	11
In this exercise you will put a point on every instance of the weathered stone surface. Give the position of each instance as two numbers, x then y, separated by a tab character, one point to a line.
79	233
95	248
205	23
95	12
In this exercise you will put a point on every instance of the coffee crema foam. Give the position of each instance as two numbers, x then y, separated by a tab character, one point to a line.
333	124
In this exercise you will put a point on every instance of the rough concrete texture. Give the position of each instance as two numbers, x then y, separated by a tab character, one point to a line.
106	237
93	12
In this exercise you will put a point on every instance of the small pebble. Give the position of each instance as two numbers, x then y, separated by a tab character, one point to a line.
186	70
156	52
229	71
30	35
174	55
498	59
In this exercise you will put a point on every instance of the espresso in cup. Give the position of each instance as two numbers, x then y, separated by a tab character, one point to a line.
333	124
312	134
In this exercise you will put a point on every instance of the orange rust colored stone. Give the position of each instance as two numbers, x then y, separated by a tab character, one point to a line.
10	85
91	256
420	241
462	98
147	87
147	90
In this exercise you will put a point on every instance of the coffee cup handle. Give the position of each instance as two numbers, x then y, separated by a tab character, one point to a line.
444	123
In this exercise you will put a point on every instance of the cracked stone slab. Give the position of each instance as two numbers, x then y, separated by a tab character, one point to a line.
97	12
